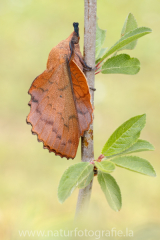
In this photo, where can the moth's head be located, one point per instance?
(76, 28)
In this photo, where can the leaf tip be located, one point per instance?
(144, 116)
(117, 209)
(154, 174)
(148, 30)
(60, 200)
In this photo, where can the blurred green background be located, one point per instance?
(29, 175)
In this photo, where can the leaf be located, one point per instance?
(101, 53)
(126, 39)
(100, 37)
(124, 136)
(121, 64)
(87, 180)
(129, 25)
(73, 177)
(111, 190)
(105, 166)
(139, 146)
(135, 164)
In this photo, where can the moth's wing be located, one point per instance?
(82, 97)
(53, 114)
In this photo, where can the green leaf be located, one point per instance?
(111, 190)
(129, 25)
(87, 180)
(135, 164)
(139, 146)
(72, 178)
(100, 37)
(121, 64)
(105, 166)
(124, 136)
(101, 53)
(126, 39)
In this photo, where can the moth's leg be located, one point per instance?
(85, 66)
(93, 89)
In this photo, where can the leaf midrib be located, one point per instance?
(109, 192)
(120, 67)
(122, 134)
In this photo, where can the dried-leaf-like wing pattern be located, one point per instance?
(60, 101)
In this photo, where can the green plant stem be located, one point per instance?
(87, 149)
